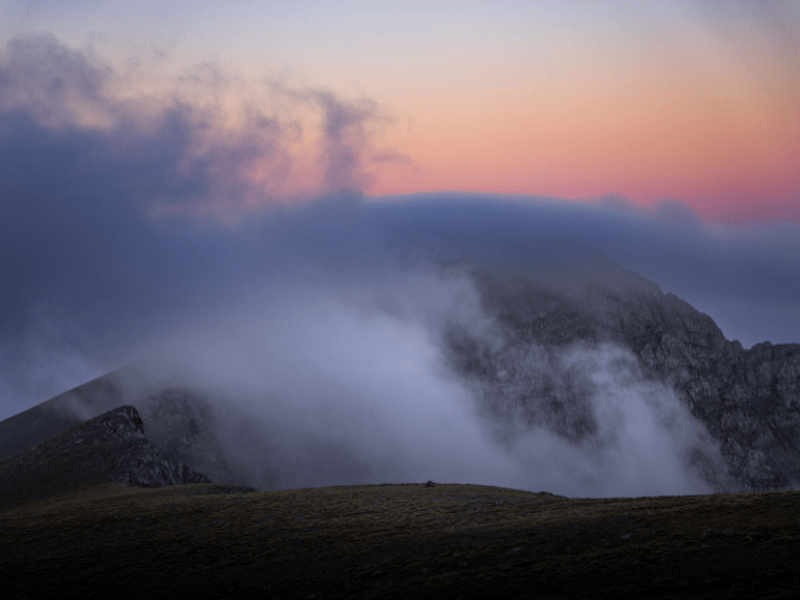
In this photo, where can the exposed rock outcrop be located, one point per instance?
(108, 448)
(181, 423)
(749, 400)
(60, 413)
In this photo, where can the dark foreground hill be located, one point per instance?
(398, 541)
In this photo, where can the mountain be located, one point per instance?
(749, 400)
(179, 421)
(110, 448)
(557, 347)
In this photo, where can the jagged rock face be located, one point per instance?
(109, 448)
(183, 425)
(128, 456)
(749, 400)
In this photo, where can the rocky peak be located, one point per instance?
(747, 399)
(111, 448)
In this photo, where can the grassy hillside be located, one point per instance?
(403, 541)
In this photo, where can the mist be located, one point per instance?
(316, 318)
(350, 384)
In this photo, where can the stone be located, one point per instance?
(748, 399)
(110, 448)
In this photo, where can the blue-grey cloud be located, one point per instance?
(210, 143)
(746, 277)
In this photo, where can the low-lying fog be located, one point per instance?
(355, 387)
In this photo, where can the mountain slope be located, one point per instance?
(111, 448)
(749, 400)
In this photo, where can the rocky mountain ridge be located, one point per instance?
(109, 448)
(748, 399)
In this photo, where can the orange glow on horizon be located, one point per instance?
(713, 144)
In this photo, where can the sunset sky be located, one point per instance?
(693, 100)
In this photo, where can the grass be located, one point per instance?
(398, 541)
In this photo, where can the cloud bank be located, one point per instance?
(238, 238)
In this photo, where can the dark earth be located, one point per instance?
(87, 535)
(398, 541)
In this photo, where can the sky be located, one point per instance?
(171, 167)
(694, 100)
